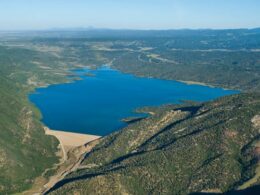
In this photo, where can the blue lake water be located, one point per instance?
(96, 104)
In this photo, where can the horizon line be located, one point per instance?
(120, 29)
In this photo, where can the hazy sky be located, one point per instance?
(131, 14)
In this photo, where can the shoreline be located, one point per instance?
(205, 85)
(200, 83)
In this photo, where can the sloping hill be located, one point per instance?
(25, 151)
(34, 60)
(179, 150)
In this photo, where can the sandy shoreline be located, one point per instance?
(69, 140)
(202, 84)
(196, 83)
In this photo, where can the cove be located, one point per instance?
(97, 104)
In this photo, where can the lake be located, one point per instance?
(97, 104)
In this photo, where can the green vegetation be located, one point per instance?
(207, 146)
(25, 152)
(225, 58)
(179, 150)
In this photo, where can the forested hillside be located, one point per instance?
(25, 152)
(210, 140)
(210, 147)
